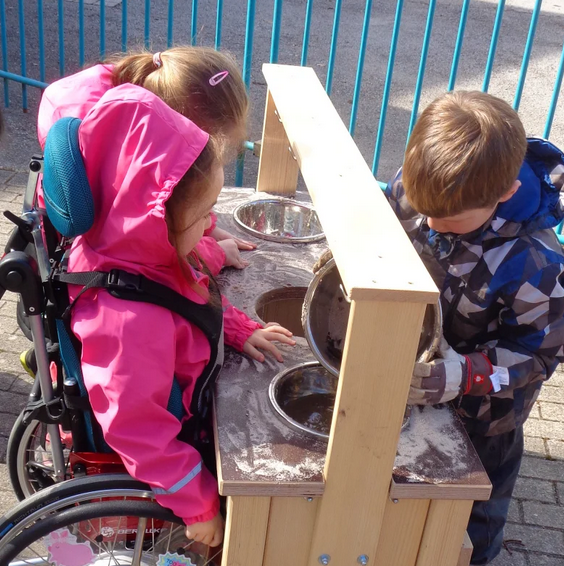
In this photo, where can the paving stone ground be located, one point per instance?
(535, 533)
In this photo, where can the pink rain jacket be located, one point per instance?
(135, 150)
(74, 96)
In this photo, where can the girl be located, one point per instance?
(200, 83)
(154, 176)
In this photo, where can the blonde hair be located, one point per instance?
(182, 81)
(464, 153)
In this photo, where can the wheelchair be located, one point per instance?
(78, 505)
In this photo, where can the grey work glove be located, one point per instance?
(448, 376)
(322, 260)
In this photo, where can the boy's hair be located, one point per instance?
(183, 82)
(465, 152)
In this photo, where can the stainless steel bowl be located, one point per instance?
(279, 220)
(325, 316)
(303, 397)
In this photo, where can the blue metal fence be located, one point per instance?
(173, 16)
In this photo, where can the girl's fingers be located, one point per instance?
(270, 347)
(250, 350)
(218, 537)
(244, 245)
(282, 338)
(276, 328)
(269, 324)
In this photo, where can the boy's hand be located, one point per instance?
(232, 256)
(263, 338)
(448, 376)
(210, 532)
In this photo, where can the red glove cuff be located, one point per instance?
(479, 369)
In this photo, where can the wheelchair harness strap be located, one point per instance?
(208, 318)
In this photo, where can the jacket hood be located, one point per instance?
(72, 96)
(135, 150)
(539, 202)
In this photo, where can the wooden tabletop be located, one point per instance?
(259, 455)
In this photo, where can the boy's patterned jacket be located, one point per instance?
(502, 287)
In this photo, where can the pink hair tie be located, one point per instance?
(217, 78)
(157, 61)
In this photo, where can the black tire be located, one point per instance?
(81, 507)
(25, 479)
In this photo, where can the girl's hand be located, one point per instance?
(263, 338)
(232, 256)
(210, 532)
(221, 235)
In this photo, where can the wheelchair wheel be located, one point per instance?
(29, 458)
(109, 519)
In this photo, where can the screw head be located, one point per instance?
(324, 559)
(309, 499)
(362, 559)
(31, 309)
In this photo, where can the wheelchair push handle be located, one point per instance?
(18, 273)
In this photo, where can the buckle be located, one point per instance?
(124, 280)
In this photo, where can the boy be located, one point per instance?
(479, 201)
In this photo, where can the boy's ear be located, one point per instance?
(514, 188)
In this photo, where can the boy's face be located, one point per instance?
(469, 220)
(462, 223)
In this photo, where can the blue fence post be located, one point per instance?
(147, 30)
(276, 22)
(387, 87)
(555, 95)
(527, 54)
(247, 66)
(493, 45)
(333, 50)
(194, 23)
(124, 25)
(218, 24)
(61, 38)
(81, 32)
(307, 27)
(360, 66)
(458, 46)
(22, 52)
(422, 64)
(4, 52)
(41, 40)
(102, 29)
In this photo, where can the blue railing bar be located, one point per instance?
(247, 66)
(147, 29)
(558, 228)
(194, 23)
(22, 52)
(554, 99)
(218, 24)
(527, 54)
(4, 52)
(458, 46)
(333, 51)
(383, 186)
(249, 145)
(387, 87)
(41, 40)
(102, 29)
(124, 25)
(23, 80)
(249, 37)
(170, 24)
(81, 32)
(276, 21)
(422, 64)
(61, 38)
(493, 45)
(307, 27)
(360, 65)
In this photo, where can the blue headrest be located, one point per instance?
(68, 199)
